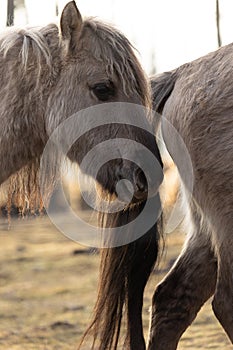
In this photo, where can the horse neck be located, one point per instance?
(23, 94)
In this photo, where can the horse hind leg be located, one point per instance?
(223, 298)
(184, 290)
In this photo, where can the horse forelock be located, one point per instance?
(112, 47)
(107, 44)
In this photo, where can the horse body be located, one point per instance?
(196, 99)
(47, 75)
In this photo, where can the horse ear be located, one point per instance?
(71, 24)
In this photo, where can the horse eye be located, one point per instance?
(103, 91)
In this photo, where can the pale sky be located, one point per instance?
(167, 33)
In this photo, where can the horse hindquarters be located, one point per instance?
(184, 290)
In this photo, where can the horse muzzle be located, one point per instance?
(135, 184)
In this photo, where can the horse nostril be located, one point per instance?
(140, 183)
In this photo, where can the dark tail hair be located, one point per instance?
(162, 86)
(124, 272)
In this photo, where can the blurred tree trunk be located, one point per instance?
(218, 24)
(10, 13)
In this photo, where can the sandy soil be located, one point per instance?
(48, 288)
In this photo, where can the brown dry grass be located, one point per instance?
(47, 292)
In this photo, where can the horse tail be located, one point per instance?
(162, 86)
(124, 272)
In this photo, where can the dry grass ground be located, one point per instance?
(47, 291)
